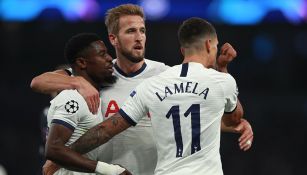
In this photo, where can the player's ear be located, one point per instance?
(113, 39)
(182, 50)
(81, 62)
(208, 45)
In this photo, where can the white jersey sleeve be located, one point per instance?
(134, 108)
(66, 109)
(231, 92)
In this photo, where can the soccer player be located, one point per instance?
(133, 148)
(68, 116)
(187, 103)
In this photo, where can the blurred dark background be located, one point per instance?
(270, 72)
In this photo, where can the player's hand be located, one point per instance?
(50, 168)
(126, 172)
(247, 135)
(227, 54)
(90, 94)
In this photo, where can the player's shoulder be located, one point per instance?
(160, 76)
(175, 71)
(225, 80)
(152, 62)
(219, 75)
(155, 64)
(70, 101)
(69, 94)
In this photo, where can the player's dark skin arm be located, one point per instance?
(45, 83)
(62, 155)
(227, 54)
(55, 82)
(69, 159)
(234, 118)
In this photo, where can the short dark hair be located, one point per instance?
(78, 45)
(194, 29)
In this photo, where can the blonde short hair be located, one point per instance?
(113, 15)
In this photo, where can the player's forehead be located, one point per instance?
(131, 21)
(98, 46)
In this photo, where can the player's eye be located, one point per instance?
(130, 30)
(143, 30)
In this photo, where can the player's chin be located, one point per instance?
(110, 70)
(138, 53)
(138, 58)
(106, 74)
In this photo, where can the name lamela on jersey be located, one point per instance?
(183, 87)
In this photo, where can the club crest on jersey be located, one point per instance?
(71, 106)
(132, 93)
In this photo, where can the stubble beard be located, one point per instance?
(129, 55)
(110, 79)
(107, 80)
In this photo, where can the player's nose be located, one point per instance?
(139, 36)
(109, 58)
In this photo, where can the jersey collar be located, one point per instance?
(133, 74)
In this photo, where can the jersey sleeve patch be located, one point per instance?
(132, 93)
(61, 122)
(127, 117)
(71, 107)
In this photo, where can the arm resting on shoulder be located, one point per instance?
(53, 82)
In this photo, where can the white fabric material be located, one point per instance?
(197, 102)
(108, 169)
(134, 148)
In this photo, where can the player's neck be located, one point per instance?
(127, 66)
(197, 59)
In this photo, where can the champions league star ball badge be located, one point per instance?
(71, 106)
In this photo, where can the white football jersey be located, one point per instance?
(113, 96)
(186, 103)
(134, 148)
(69, 108)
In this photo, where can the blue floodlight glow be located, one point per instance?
(236, 12)
(296, 11)
(155, 9)
(253, 11)
(20, 10)
(241, 12)
(291, 9)
(71, 9)
(26, 10)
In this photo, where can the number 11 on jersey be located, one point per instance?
(195, 123)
